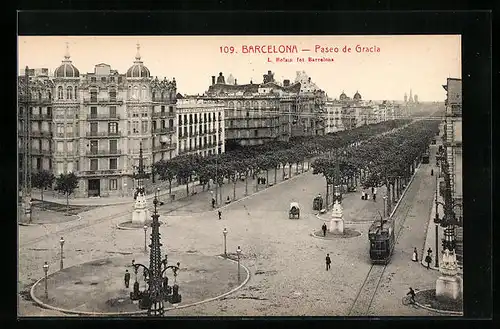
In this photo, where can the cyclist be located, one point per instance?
(412, 295)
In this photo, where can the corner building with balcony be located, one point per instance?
(97, 121)
(200, 127)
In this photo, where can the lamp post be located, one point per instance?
(145, 238)
(158, 289)
(158, 193)
(62, 244)
(385, 199)
(225, 234)
(238, 252)
(30, 209)
(46, 270)
(436, 222)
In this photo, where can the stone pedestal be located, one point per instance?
(449, 284)
(337, 220)
(141, 212)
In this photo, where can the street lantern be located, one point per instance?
(238, 252)
(61, 242)
(158, 289)
(46, 270)
(145, 235)
(225, 234)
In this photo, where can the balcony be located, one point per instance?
(104, 117)
(103, 153)
(107, 172)
(165, 130)
(103, 134)
(39, 117)
(163, 114)
(38, 152)
(41, 134)
(35, 100)
(102, 100)
(165, 147)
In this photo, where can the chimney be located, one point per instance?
(235, 82)
(269, 72)
(286, 83)
(213, 80)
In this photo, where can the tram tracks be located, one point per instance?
(366, 294)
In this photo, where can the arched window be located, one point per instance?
(39, 95)
(76, 92)
(136, 92)
(129, 91)
(69, 93)
(162, 95)
(144, 93)
(60, 92)
(153, 95)
(49, 94)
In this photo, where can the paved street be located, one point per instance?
(285, 261)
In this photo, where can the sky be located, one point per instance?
(399, 63)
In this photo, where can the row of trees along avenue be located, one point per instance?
(387, 159)
(249, 161)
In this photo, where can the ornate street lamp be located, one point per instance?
(46, 270)
(238, 252)
(225, 233)
(145, 235)
(140, 175)
(385, 200)
(158, 289)
(61, 242)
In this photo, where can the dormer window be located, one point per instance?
(93, 79)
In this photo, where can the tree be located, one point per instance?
(166, 171)
(42, 179)
(66, 184)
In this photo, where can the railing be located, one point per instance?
(103, 117)
(164, 130)
(163, 114)
(164, 147)
(36, 151)
(101, 100)
(103, 134)
(100, 172)
(41, 117)
(38, 133)
(104, 153)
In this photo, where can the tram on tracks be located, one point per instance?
(381, 236)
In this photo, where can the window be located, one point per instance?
(103, 79)
(93, 96)
(113, 146)
(94, 164)
(153, 95)
(135, 127)
(144, 126)
(60, 128)
(154, 125)
(39, 95)
(163, 109)
(76, 92)
(69, 93)
(163, 123)
(113, 164)
(113, 127)
(60, 168)
(50, 164)
(60, 92)
(112, 111)
(21, 111)
(171, 109)
(50, 95)
(171, 123)
(92, 79)
(93, 112)
(93, 127)
(190, 119)
(256, 133)
(111, 79)
(113, 183)
(49, 111)
(94, 147)
(38, 163)
(112, 95)
(119, 79)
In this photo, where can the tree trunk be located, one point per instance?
(393, 194)
(246, 184)
(234, 188)
(267, 177)
(302, 169)
(289, 170)
(327, 196)
(170, 187)
(41, 191)
(220, 193)
(67, 202)
(297, 168)
(187, 187)
(275, 172)
(283, 169)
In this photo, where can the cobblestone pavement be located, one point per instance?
(287, 267)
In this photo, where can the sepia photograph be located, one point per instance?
(242, 175)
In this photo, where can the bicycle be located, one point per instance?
(407, 301)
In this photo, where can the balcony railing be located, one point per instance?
(103, 134)
(41, 117)
(37, 133)
(102, 100)
(163, 114)
(158, 148)
(105, 172)
(103, 117)
(98, 153)
(36, 151)
(164, 130)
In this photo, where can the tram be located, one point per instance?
(381, 236)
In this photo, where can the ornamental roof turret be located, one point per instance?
(357, 96)
(138, 70)
(343, 96)
(66, 69)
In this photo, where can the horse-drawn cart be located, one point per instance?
(294, 210)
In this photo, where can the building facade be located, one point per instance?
(200, 128)
(94, 124)
(333, 116)
(453, 136)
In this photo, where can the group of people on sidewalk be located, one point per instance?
(428, 258)
(366, 196)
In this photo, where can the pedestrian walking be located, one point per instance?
(428, 260)
(429, 251)
(411, 293)
(213, 203)
(220, 215)
(432, 172)
(127, 278)
(328, 261)
(415, 255)
(324, 229)
(362, 195)
(373, 189)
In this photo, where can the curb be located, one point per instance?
(46, 306)
(313, 234)
(438, 311)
